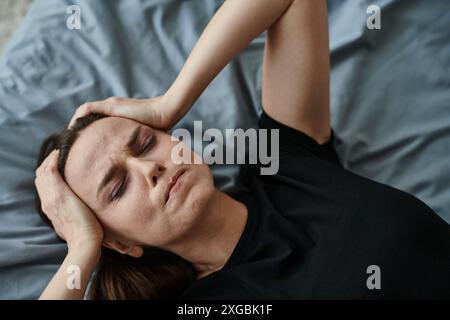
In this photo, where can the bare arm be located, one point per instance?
(233, 27)
(84, 257)
(75, 223)
(295, 74)
(296, 60)
(296, 70)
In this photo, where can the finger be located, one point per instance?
(53, 178)
(50, 185)
(51, 158)
(45, 199)
(81, 111)
(40, 191)
(103, 106)
(50, 163)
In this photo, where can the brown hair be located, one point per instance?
(158, 274)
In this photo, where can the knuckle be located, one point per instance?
(79, 109)
(114, 99)
(85, 108)
(51, 168)
(44, 209)
(108, 109)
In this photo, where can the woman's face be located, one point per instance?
(123, 171)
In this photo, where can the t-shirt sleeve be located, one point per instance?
(297, 143)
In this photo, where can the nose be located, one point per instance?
(151, 170)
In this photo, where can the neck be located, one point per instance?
(216, 235)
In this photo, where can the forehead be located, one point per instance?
(94, 149)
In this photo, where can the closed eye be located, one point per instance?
(149, 142)
(119, 189)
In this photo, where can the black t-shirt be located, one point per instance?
(315, 228)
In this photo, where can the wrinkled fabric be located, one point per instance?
(389, 98)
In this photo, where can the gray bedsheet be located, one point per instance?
(390, 99)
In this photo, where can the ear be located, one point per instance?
(132, 250)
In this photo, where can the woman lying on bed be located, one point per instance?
(154, 229)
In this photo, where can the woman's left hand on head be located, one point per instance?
(72, 219)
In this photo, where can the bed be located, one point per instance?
(390, 99)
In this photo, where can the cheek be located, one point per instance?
(202, 189)
(179, 150)
(164, 148)
(140, 202)
(128, 216)
(206, 174)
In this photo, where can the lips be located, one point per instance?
(172, 182)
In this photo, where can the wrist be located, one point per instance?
(177, 102)
(85, 247)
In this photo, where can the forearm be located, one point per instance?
(61, 287)
(233, 27)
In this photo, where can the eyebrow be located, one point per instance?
(112, 170)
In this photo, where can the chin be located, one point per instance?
(200, 194)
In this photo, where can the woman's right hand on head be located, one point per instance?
(72, 219)
(155, 112)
